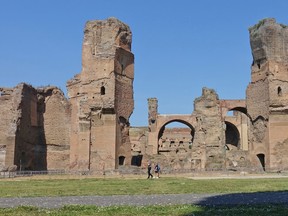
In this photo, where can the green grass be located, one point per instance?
(20, 187)
(181, 210)
(109, 186)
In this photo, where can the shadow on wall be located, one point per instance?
(30, 141)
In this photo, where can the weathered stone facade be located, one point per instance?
(91, 131)
(211, 141)
(267, 94)
(34, 132)
(101, 97)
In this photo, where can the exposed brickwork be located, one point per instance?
(40, 129)
(267, 94)
(102, 97)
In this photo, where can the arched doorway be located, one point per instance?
(261, 158)
(121, 160)
(175, 136)
(236, 133)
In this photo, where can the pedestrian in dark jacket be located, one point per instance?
(149, 171)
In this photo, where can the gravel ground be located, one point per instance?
(141, 200)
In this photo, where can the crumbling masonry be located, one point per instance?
(40, 129)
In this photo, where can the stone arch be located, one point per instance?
(240, 109)
(232, 135)
(234, 105)
(236, 132)
(183, 141)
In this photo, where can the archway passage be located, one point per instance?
(175, 136)
(236, 133)
(121, 160)
(232, 135)
(261, 158)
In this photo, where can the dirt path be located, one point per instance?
(141, 200)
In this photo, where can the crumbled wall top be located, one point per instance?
(207, 103)
(269, 41)
(104, 34)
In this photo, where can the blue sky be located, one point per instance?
(179, 46)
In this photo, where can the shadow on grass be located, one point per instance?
(257, 203)
(276, 197)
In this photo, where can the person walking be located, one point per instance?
(157, 170)
(149, 171)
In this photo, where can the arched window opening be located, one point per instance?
(279, 91)
(102, 90)
(121, 160)
(261, 158)
(232, 135)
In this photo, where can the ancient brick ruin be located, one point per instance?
(41, 129)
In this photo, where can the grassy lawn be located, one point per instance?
(111, 186)
(179, 210)
(21, 187)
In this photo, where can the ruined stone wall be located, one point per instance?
(258, 109)
(200, 146)
(30, 148)
(152, 146)
(175, 146)
(9, 118)
(43, 131)
(139, 140)
(278, 127)
(237, 151)
(258, 99)
(152, 113)
(238, 160)
(124, 101)
(101, 97)
(91, 130)
(54, 110)
(209, 141)
(267, 94)
(5, 120)
(30, 124)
